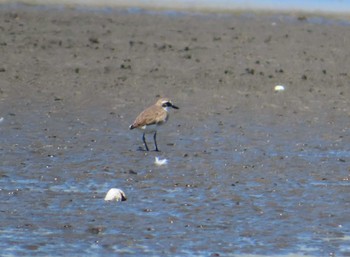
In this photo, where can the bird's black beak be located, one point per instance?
(174, 106)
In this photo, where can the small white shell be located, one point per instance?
(160, 162)
(1, 119)
(279, 88)
(115, 194)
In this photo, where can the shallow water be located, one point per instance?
(228, 193)
(326, 6)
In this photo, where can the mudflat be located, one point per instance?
(250, 170)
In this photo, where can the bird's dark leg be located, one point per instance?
(155, 141)
(144, 141)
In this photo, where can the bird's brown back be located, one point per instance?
(152, 115)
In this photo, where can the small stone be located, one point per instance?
(279, 88)
(115, 194)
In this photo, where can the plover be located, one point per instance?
(151, 118)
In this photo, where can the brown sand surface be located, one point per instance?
(72, 81)
(207, 63)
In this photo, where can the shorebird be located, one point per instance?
(151, 118)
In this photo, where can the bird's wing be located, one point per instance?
(150, 116)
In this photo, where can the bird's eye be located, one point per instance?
(167, 104)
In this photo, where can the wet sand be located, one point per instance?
(251, 170)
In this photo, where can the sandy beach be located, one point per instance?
(207, 62)
(71, 82)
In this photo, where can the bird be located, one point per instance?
(151, 118)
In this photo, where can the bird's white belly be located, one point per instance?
(149, 128)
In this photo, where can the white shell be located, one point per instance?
(115, 194)
(279, 88)
(160, 162)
